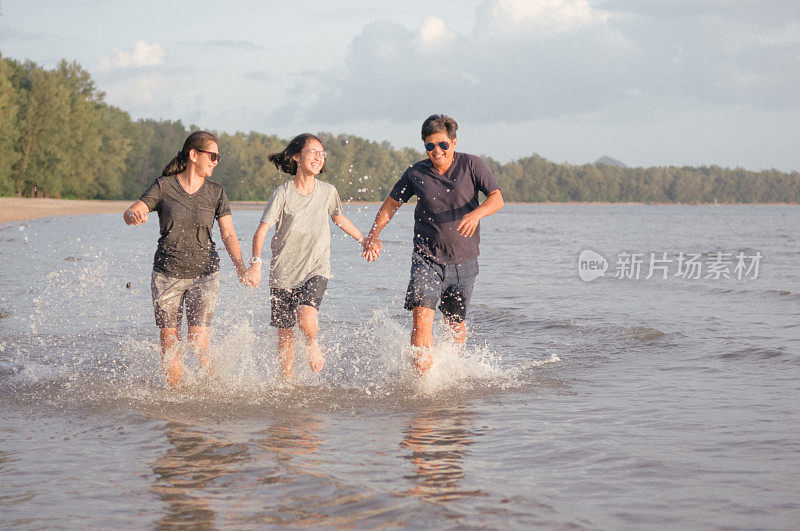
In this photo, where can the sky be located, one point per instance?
(647, 82)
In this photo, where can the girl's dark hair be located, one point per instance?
(197, 140)
(436, 123)
(284, 160)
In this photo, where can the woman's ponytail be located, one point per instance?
(176, 165)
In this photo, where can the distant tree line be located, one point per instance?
(59, 139)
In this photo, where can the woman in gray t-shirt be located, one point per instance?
(301, 247)
(186, 263)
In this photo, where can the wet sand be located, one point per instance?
(20, 209)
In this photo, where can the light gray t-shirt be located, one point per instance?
(301, 246)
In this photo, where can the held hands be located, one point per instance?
(252, 276)
(243, 280)
(372, 247)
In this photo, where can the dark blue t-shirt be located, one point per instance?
(442, 201)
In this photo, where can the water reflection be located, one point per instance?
(438, 441)
(191, 471)
(5, 459)
(207, 481)
(291, 435)
(293, 493)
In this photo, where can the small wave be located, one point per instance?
(500, 317)
(541, 363)
(743, 290)
(9, 369)
(778, 292)
(756, 353)
(782, 293)
(566, 324)
(646, 334)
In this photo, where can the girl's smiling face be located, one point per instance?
(311, 158)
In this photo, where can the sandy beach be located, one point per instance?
(20, 209)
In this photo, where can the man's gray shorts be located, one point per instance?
(170, 295)
(452, 283)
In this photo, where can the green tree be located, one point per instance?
(9, 127)
(153, 144)
(44, 105)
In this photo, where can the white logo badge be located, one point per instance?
(591, 265)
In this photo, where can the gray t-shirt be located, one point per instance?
(301, 246)
(185, 248)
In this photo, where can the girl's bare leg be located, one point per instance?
(286, 351)
(307, 318)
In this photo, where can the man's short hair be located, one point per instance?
(437, 123)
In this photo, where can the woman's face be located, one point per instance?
(311, 158)
(204, 165)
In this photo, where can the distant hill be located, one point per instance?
(608, 161)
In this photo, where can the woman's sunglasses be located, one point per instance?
(430, 146)
(213, 156)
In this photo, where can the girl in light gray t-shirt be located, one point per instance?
(301, 247)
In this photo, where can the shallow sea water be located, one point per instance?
(611, 403)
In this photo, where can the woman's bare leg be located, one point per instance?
(171, 355)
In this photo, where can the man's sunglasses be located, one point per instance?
(213, 156)
(430, 146)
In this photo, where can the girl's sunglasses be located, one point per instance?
(213, 156)
(430, 146)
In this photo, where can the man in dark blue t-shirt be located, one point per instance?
(444, 264)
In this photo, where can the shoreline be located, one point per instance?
(22, 209)
(15, 209)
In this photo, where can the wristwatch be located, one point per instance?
(255, 260)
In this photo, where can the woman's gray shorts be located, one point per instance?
(170, 295)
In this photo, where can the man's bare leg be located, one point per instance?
(458, 331)
(422, 337)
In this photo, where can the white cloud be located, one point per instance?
(493, 74)
(143, 54)
(541, 59)
(434, 33)
(542, 15)
(138, 92)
